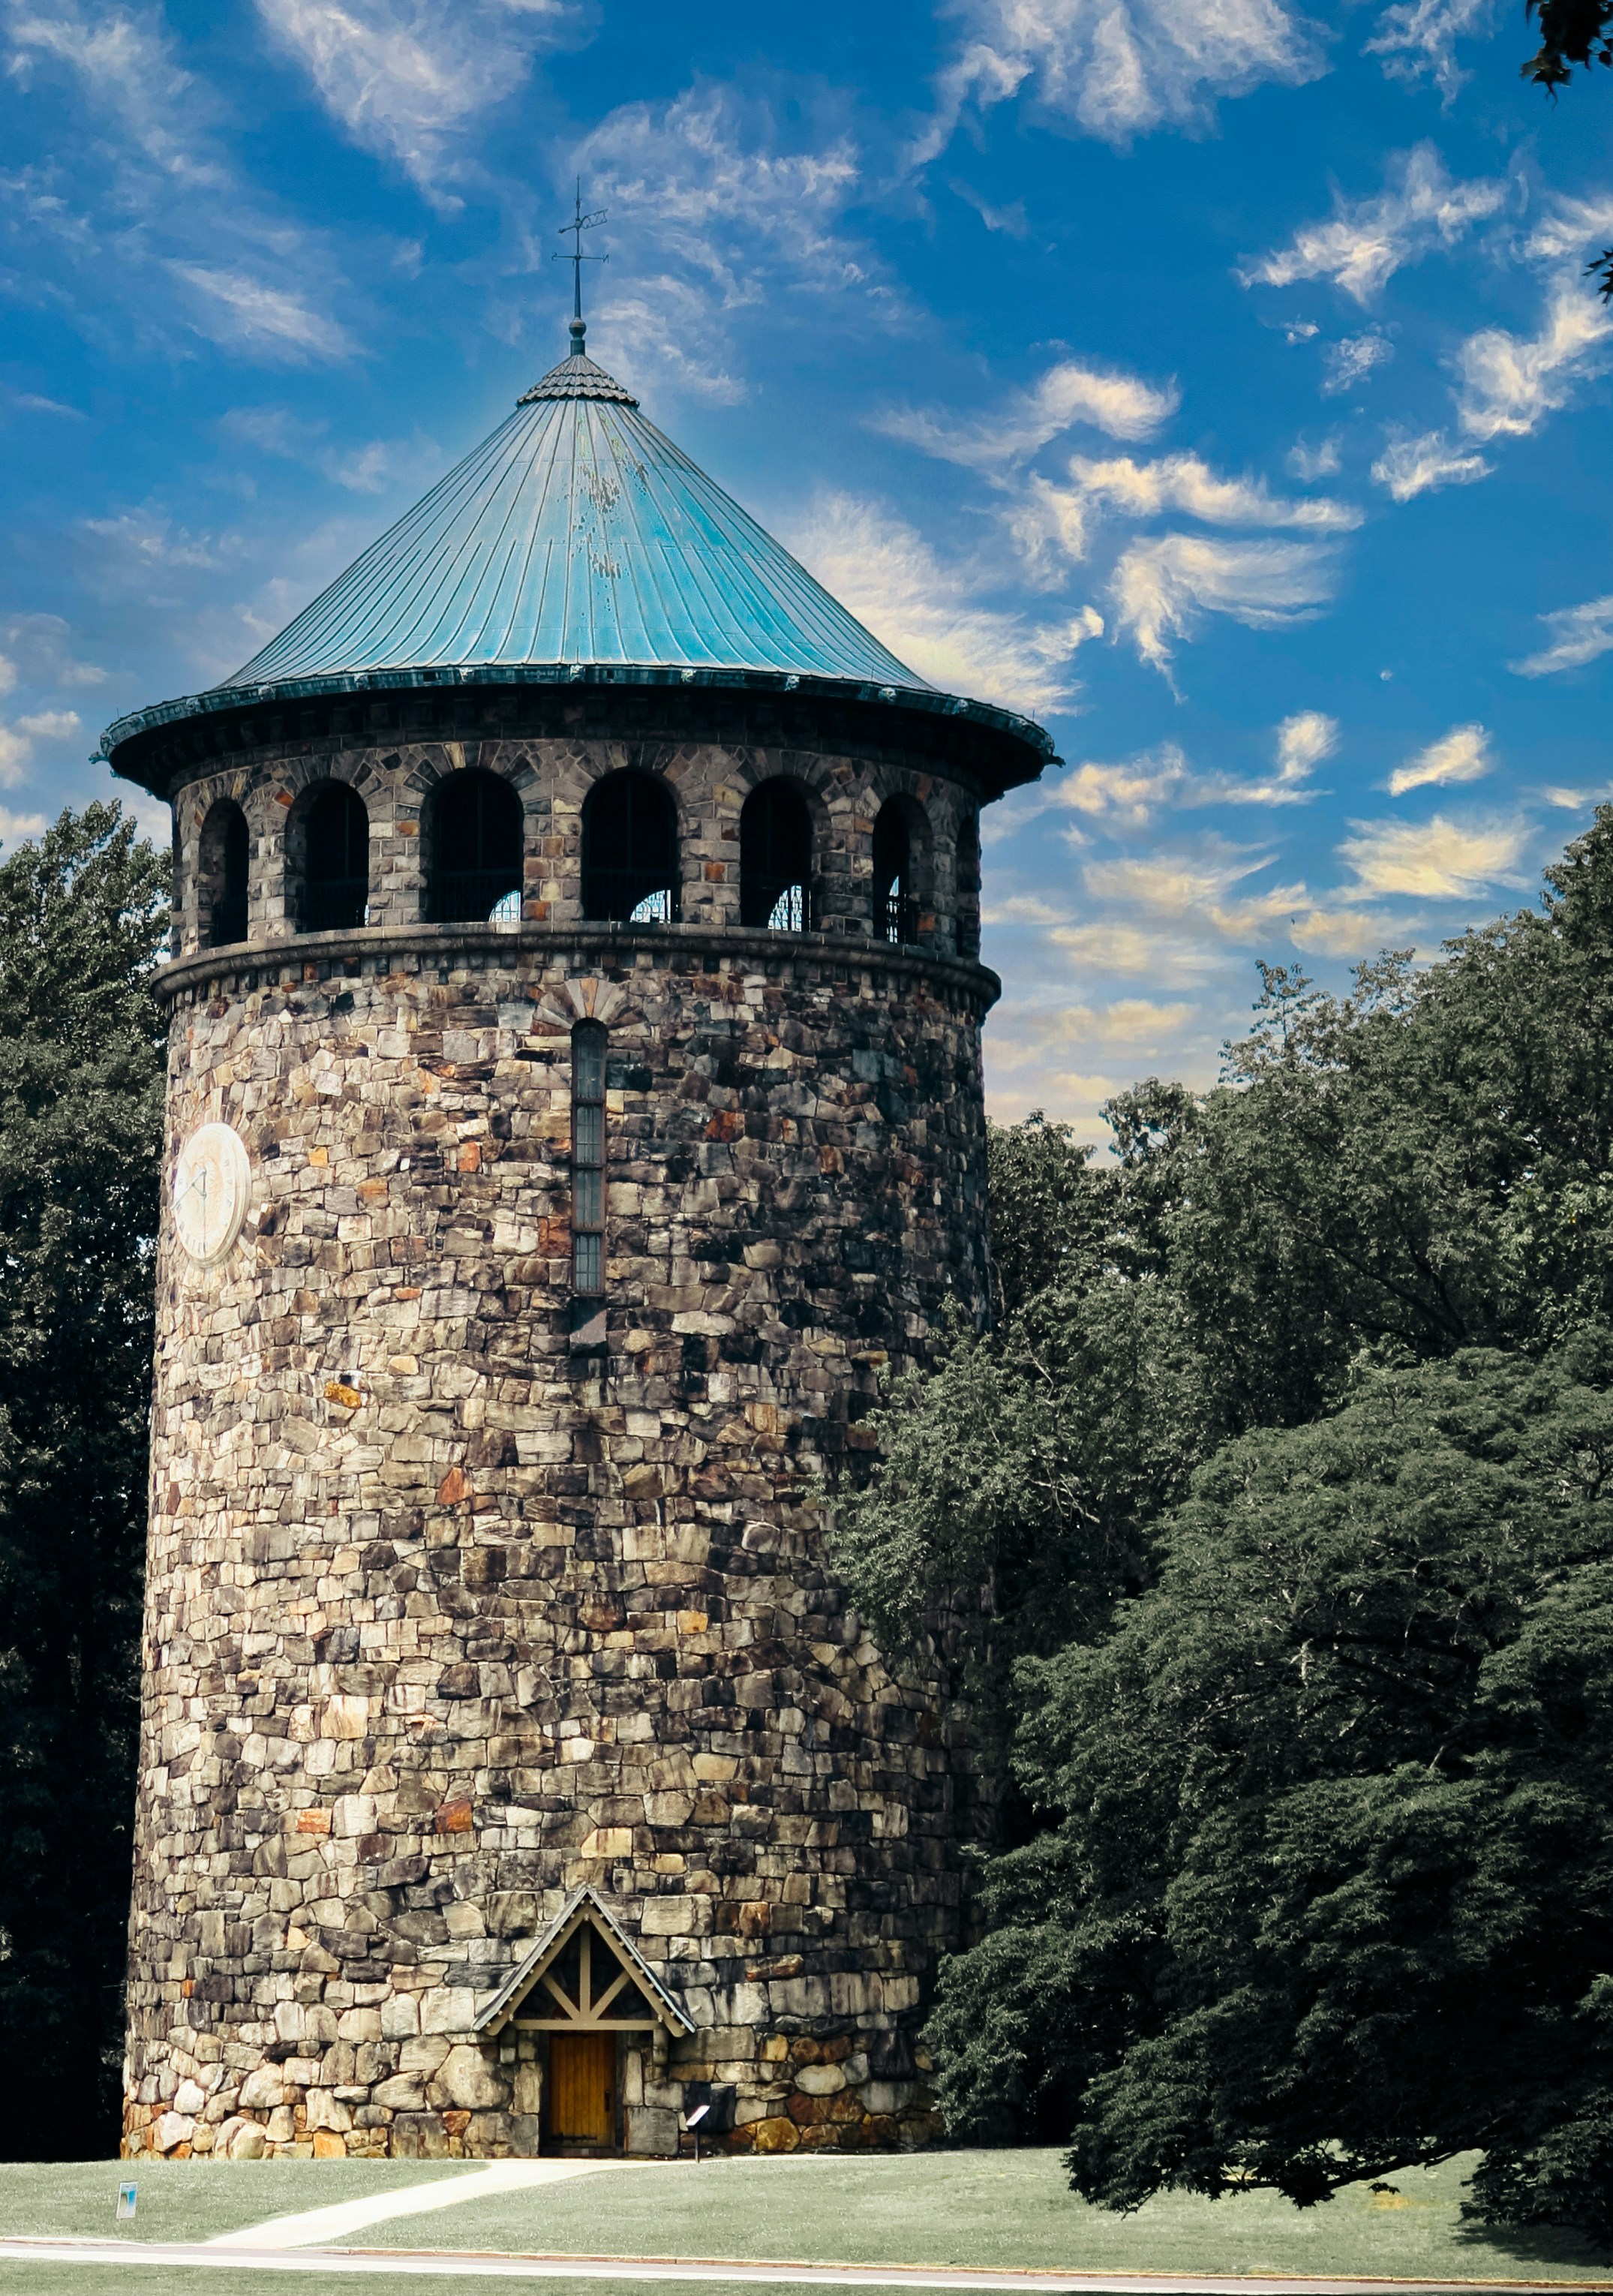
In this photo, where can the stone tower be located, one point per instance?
(574, 1110)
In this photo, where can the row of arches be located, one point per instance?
(475, 850)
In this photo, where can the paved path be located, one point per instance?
(314, 2227)
(410, 2263)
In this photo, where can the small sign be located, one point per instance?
(126, 2203)
(690, 2121)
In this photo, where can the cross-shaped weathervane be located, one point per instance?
(574, 231)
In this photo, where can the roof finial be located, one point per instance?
(574, 231)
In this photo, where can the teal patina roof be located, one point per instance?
(578, 532)
(576, 543)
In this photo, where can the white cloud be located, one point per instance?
(1461, 755)
(15, 826)
(234, 307)
(1160, 588)
(1346, 931)
(1070, 393)
(38, 648)
(406, 78)
(1115, 67)
(1438, 859)
(1579, 634)
(928, 612)
(1351, 360)
(1412, 466)
(1368, 240)
(1321, 461)
(142, 190)
(370, 469)
(1418, 39)
(1510, 383)
(1182, 482)
(723, 218)
(18, 740)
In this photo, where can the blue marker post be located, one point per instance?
(126, 2203)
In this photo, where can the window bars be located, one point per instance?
(587, 1158)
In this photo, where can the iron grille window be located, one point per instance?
(336, 882)
(630, 850)
(589, 1158)
(775, 860)
(896, 913)
(225, 870)
(476, 874)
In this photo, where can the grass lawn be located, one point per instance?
(190, 2199)
(993, 2208)
(966, 2207)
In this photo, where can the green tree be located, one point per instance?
(1324, 1889)
(83, 916)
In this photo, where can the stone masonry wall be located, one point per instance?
(445, 1618)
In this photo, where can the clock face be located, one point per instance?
(211, 1181)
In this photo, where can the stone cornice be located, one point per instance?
(377, 946)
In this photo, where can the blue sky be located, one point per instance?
(1219, 384)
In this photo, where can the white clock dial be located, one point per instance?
(212, 1178)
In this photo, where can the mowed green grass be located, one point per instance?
(189, 2199)
(979, 2208)
(992, 2208)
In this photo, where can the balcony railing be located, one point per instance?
(228, 922)
(635, 897)
(897, 918)
(779, 905)
(335, 904)
(476, 896)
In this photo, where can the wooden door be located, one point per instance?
(582, 2088)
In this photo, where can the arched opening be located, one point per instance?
(775, 860)
(224, 870)
(895, 912)
(476, 850)
(336, 869)
(630, 850)
(969, 886)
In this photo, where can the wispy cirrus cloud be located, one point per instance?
(1129, 793)
(1461, 755)
(1409, 467)
(1114, 69)
(1438, 859)
(407, 79)
(1161, 589)
(370, 469)
(1579, 634)
(1023, 421)
(1186, 484)
(1352, 360)
(1510, 383)
(1365, 241)
(929, 613)
(140, 194)
(728, 214)
(1417, 39)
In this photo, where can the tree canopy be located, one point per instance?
(83, 916)
(1276, 1511)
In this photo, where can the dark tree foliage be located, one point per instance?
(1315, 1861)
(1573, 33)
(83, 913)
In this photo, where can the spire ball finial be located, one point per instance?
(574, 231)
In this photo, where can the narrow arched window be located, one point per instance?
(224, 867)
(587, 1158)
(475, 826)
(896, 913)
(969, 886)
(775, 860)
(630, 850)
(336, 875)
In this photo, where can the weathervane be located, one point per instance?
(574, 231)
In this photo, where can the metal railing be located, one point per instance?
(229, 921)
(897, 918)
(778, 905)
(335, 904)
(471, 895)
(638, 897)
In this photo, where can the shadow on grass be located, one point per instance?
(1536, 2245)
